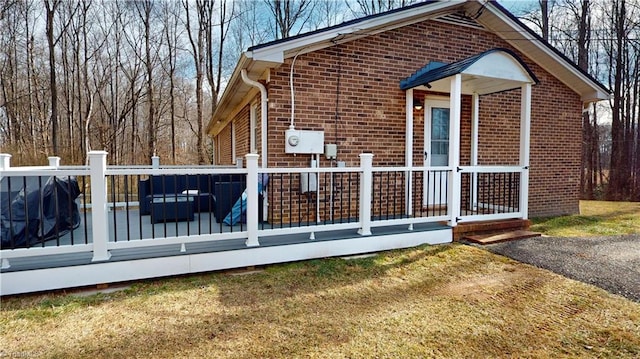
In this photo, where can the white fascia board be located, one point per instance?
(280, 51)
(526, 36)
(214, 127)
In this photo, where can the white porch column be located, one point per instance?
(366, 184)
(475, 128)
(408, 154)
(99, 220)
(525, 139)
(252, 200)
(454, 149)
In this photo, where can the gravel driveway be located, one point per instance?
(611, 263)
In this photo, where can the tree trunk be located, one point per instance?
(51, 7)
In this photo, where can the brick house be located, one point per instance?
(398, 129)
(458, 84)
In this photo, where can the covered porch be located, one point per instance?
(485, 183)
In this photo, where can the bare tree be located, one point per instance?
(289, 14)
(170, 14)
(203, 12)
(371, 7)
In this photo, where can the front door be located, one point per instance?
(436, 135)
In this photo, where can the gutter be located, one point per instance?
(263, 114)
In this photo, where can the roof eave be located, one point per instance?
(262, 57)
(544, 54)
(230, 99)
(277, 51)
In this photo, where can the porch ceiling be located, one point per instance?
(492, 71)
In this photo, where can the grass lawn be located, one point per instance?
(447, 301)
(596, 218)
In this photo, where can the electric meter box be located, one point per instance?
(302, 141)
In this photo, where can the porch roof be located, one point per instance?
(492, 71)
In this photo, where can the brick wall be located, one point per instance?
(365, 113)
(242, 140)
(224, 147)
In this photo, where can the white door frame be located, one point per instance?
(433, 187)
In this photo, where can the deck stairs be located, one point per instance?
(493, 231)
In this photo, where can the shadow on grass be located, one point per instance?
(317, 269)
(317, 306)
(286, 308)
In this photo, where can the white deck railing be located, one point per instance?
(383, 196)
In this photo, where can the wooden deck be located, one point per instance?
(129, 226)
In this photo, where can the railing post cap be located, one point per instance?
(5, 155)
(98, 153)
(252, 156)
(366, 155)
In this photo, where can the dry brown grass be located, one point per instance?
(449, 301)
(596, 218)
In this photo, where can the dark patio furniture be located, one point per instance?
(171, 209)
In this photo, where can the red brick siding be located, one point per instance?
(223, 145)
(371, 109)
(241, 125)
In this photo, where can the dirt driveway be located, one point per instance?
(611, 263)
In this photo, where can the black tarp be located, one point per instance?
(43, 209)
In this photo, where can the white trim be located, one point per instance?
(252, 200)
(263, 115)
(525, 140)
(490, 217)
(307, 229)
(113, 272)
(253, 131)
(490, 169)
(366, 164)
(427, 186)
(408, 144)
(45, 251)
(413, 220)
(454, 147)
(99, 222)
(475, 130)
(276, 53)
(164, 241)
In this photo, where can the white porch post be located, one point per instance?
(408, 154)
(525, 139)
(475, 128)
(155, 162)
(99, 220)
(454, 149)
(366, 164)
(252, 200)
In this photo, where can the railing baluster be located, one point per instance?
(126, 205)
(113, 208)
(84, 208)
(56, 211)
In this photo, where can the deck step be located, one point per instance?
(501, 237)
(468, 229)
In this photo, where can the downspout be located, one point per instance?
(263, 114)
